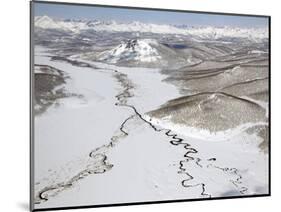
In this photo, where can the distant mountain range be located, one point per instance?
(202, 33)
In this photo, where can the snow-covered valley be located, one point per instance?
(89, 149)
(140, 112)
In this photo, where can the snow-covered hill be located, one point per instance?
(209, 32)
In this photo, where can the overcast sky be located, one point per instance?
(146, 16)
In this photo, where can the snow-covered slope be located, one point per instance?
(76, 26)
(139, 50)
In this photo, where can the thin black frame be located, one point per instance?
(31, 51)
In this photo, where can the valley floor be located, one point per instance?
(101, 146)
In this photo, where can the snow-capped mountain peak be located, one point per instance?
(142, 50)
(45, 22)
(74, 26)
